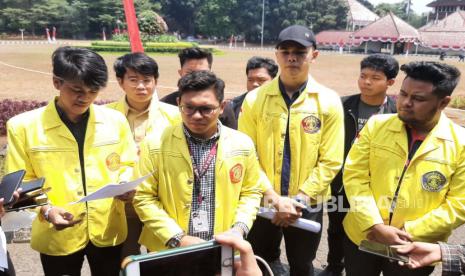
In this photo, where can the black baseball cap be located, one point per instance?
(297, 33)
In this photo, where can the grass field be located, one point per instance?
(338, 72)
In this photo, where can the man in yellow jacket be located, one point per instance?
(405, 174)
(204, 177)
(298, 129)
(78, 148)
(137, 75)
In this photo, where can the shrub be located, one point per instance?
(120, 37)
(11, 108)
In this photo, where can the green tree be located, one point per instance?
(150, 23)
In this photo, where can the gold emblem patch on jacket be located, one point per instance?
(113, 161)
(235, 174)
(433, 181)
(311, 124)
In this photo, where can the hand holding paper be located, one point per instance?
(112, 190)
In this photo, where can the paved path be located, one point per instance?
(27, 261)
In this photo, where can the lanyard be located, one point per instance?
(413, 147)
(199, 173)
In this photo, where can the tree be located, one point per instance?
(150, 23)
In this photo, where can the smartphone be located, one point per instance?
(382, 250)
(10, 183)
(31, 186)
(205, 259)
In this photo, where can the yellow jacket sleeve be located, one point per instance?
(248, 124)
(356, 179)
(251, 193)
(331, 154)
(449, 215)
(17, 158)
(146, 202)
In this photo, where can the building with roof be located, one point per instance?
(358, 15)
(447, 34)
(443, 8)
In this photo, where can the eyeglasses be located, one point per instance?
(135, 82)
(204, 110)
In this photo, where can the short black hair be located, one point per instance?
(195, 53)
(444, 77)
(382, 63)
(80, 65)
(262, 62)
(199, 81)
(138, 62)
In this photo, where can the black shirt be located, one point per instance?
(78, 130)
(286, 168)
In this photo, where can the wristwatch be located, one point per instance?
(175, 241)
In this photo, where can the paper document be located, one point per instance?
(301, 223)
(112, 190)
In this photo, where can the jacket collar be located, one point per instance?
(272, 88)
(441, 130)
(52, 120)
(351, 103)
(178, 133)
(122, 105)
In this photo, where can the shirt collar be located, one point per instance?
(296, 93)
(196, 140)
(66, 120)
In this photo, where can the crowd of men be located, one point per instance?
(397, 179)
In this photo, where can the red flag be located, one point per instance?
(133, 28)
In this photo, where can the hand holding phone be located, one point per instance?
(206, 259)
(420, 253)
(190, 240)
(387, 234)
(248, 265)
(382, 250)
(8, 186)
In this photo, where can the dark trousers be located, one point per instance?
(301, 245)
(103, 261)
(131, 245)
(359, 263)
(11, 269)
(336, 232)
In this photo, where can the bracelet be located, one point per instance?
(47, 212)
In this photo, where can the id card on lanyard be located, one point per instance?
(199, 218)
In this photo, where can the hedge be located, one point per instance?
(11, 108)
(146, 44)
(173, 50)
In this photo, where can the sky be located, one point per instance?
(419, 6)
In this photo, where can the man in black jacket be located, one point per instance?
(259, 70)
(377, 74)
(197, 59)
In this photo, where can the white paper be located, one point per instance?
(112, 190)
(304, 224)
(3, 258)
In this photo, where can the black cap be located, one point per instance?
(297, 33)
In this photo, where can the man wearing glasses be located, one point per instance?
(204, 177)
(297, 126)
(137, 75)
